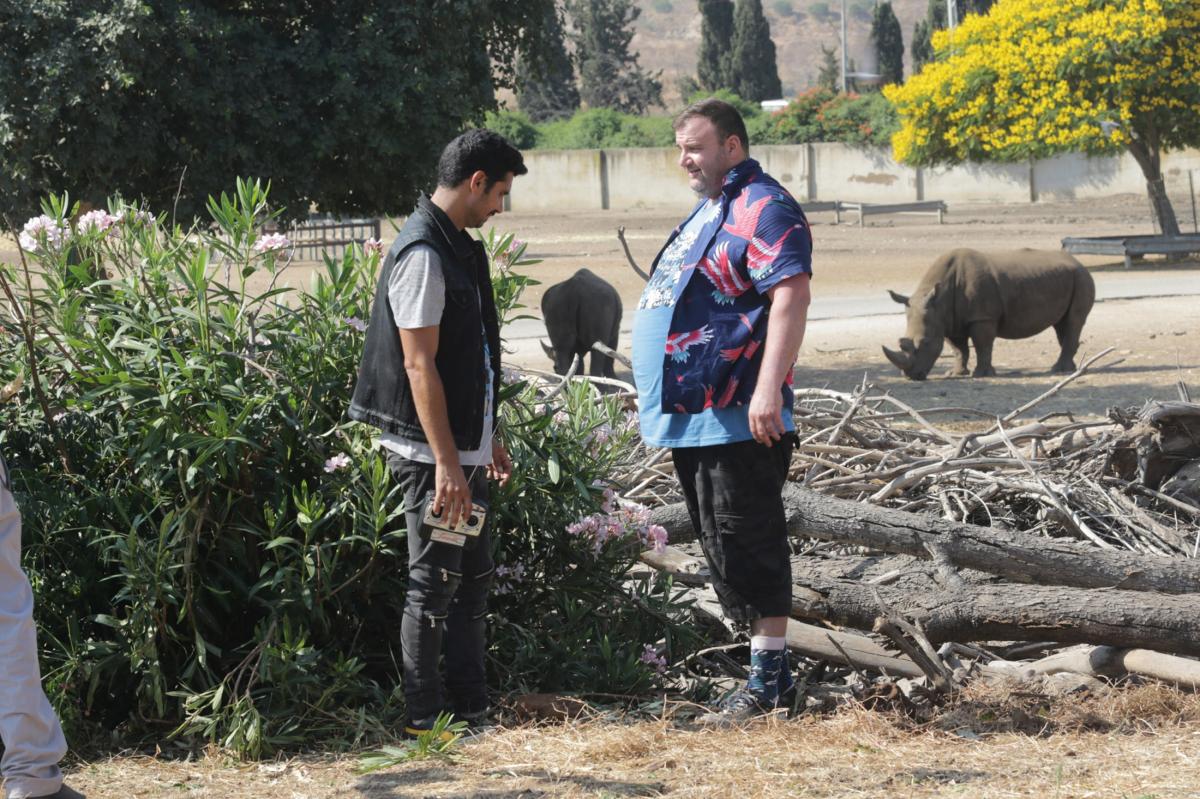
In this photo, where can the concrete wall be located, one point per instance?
(646, 178)
(560, 179)
(966, 183)
(859, 175)
(623, 179)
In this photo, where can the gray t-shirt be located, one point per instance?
(417, 295)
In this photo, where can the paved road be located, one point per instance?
(1109, 286)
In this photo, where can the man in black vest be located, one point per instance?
(429, 379)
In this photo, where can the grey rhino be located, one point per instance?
(578, 312)
(967, 294)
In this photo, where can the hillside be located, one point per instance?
(668, 35)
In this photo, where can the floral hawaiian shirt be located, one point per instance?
(758, 238)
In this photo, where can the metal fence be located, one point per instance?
(321, 235)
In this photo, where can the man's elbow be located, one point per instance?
(418, 367)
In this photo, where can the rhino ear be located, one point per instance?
(900, 298)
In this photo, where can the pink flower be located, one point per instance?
(599, 436)
(134, 216)
(97, 220)
(610, 501)
(271, 242)
(337, 463)
(508, 578)
(42, 231)
(356, 323)
(373, 245)
(651, 657)
(656, 536)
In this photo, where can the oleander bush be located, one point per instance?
(217, 552)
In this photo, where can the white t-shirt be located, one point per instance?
(417, 295)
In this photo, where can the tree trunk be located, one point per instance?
(1013, 555)
(1149, 159)
(1006, 612)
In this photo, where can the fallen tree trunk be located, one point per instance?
(1001, 611)
(1012, 555)
(848, 648)
(1107, 661)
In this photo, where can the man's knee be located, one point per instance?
(472, 593)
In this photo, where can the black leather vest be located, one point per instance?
(382, 396)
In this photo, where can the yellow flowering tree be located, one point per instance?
(1034, 78)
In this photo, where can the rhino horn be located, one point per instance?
(900, 360)
(900, 298)
(546, 348)
(907, 346)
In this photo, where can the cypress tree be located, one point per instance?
(830, 75)
(754, 73)
(545, 81)
(716, 44)
(889, 43)
(609, 75)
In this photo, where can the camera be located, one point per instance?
(472, 525)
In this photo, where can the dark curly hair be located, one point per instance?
(478, 150)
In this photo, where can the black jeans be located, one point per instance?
(734, 495)
(445, 608)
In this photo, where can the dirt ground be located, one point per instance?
(1137, 742)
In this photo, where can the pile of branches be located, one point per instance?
(932, 553)
(1126, 482)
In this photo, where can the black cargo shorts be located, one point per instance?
(734, 497)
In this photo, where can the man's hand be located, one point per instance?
(500, 469)
(452, 493)
(785, 331)
(766, 419)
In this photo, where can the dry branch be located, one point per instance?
(1014, 555)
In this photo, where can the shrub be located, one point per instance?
(819, 115)
(218, 554)
(603, 127)
(514, 126)
(747, 108)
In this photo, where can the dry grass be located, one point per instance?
(1135, 742)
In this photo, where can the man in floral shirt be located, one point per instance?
(717, 330)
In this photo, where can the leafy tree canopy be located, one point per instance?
(889, 43)
(343, 105)
(716, 43)
(753, 71)
(546, 80)
(1032, 79)
(609, 75)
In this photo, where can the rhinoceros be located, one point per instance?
(578, 312)
(970, 295)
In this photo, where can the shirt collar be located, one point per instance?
(740, 175)
(458, 239)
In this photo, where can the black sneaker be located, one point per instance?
(413, 728)
(740, 707)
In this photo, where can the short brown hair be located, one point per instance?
(725, 119)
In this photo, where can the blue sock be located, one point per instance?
(770, 675)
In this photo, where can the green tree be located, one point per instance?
(921, 49)
(889, 43)
(609, 74)
(546, 77)
(716, 44)
(754, 73)
(829, 77)
(343, 105)
(1030, 80)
